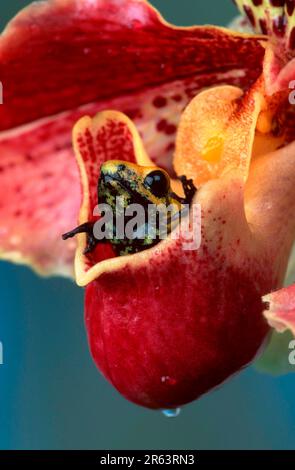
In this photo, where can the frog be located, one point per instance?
(135, 184)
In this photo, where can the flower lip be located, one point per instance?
(207, 301)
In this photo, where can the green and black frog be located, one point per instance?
(134, 184)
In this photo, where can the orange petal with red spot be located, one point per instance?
(216, 133)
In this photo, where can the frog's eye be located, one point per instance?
(158, 183)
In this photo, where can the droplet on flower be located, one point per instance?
(172, 413)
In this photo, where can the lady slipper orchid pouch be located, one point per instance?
(155, 165)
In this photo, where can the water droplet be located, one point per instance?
(172, 413)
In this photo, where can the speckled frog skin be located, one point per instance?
(134, 184)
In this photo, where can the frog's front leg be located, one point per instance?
(188, 188)
(84, 228)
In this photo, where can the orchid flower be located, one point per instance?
(164, 325)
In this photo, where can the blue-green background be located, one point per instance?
(51, 395)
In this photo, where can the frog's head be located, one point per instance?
(136, 184)
(122, 184)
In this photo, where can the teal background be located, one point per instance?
(51, 395)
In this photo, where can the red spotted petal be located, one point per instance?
(77, 57)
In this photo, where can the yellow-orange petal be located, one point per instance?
(216, 132)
